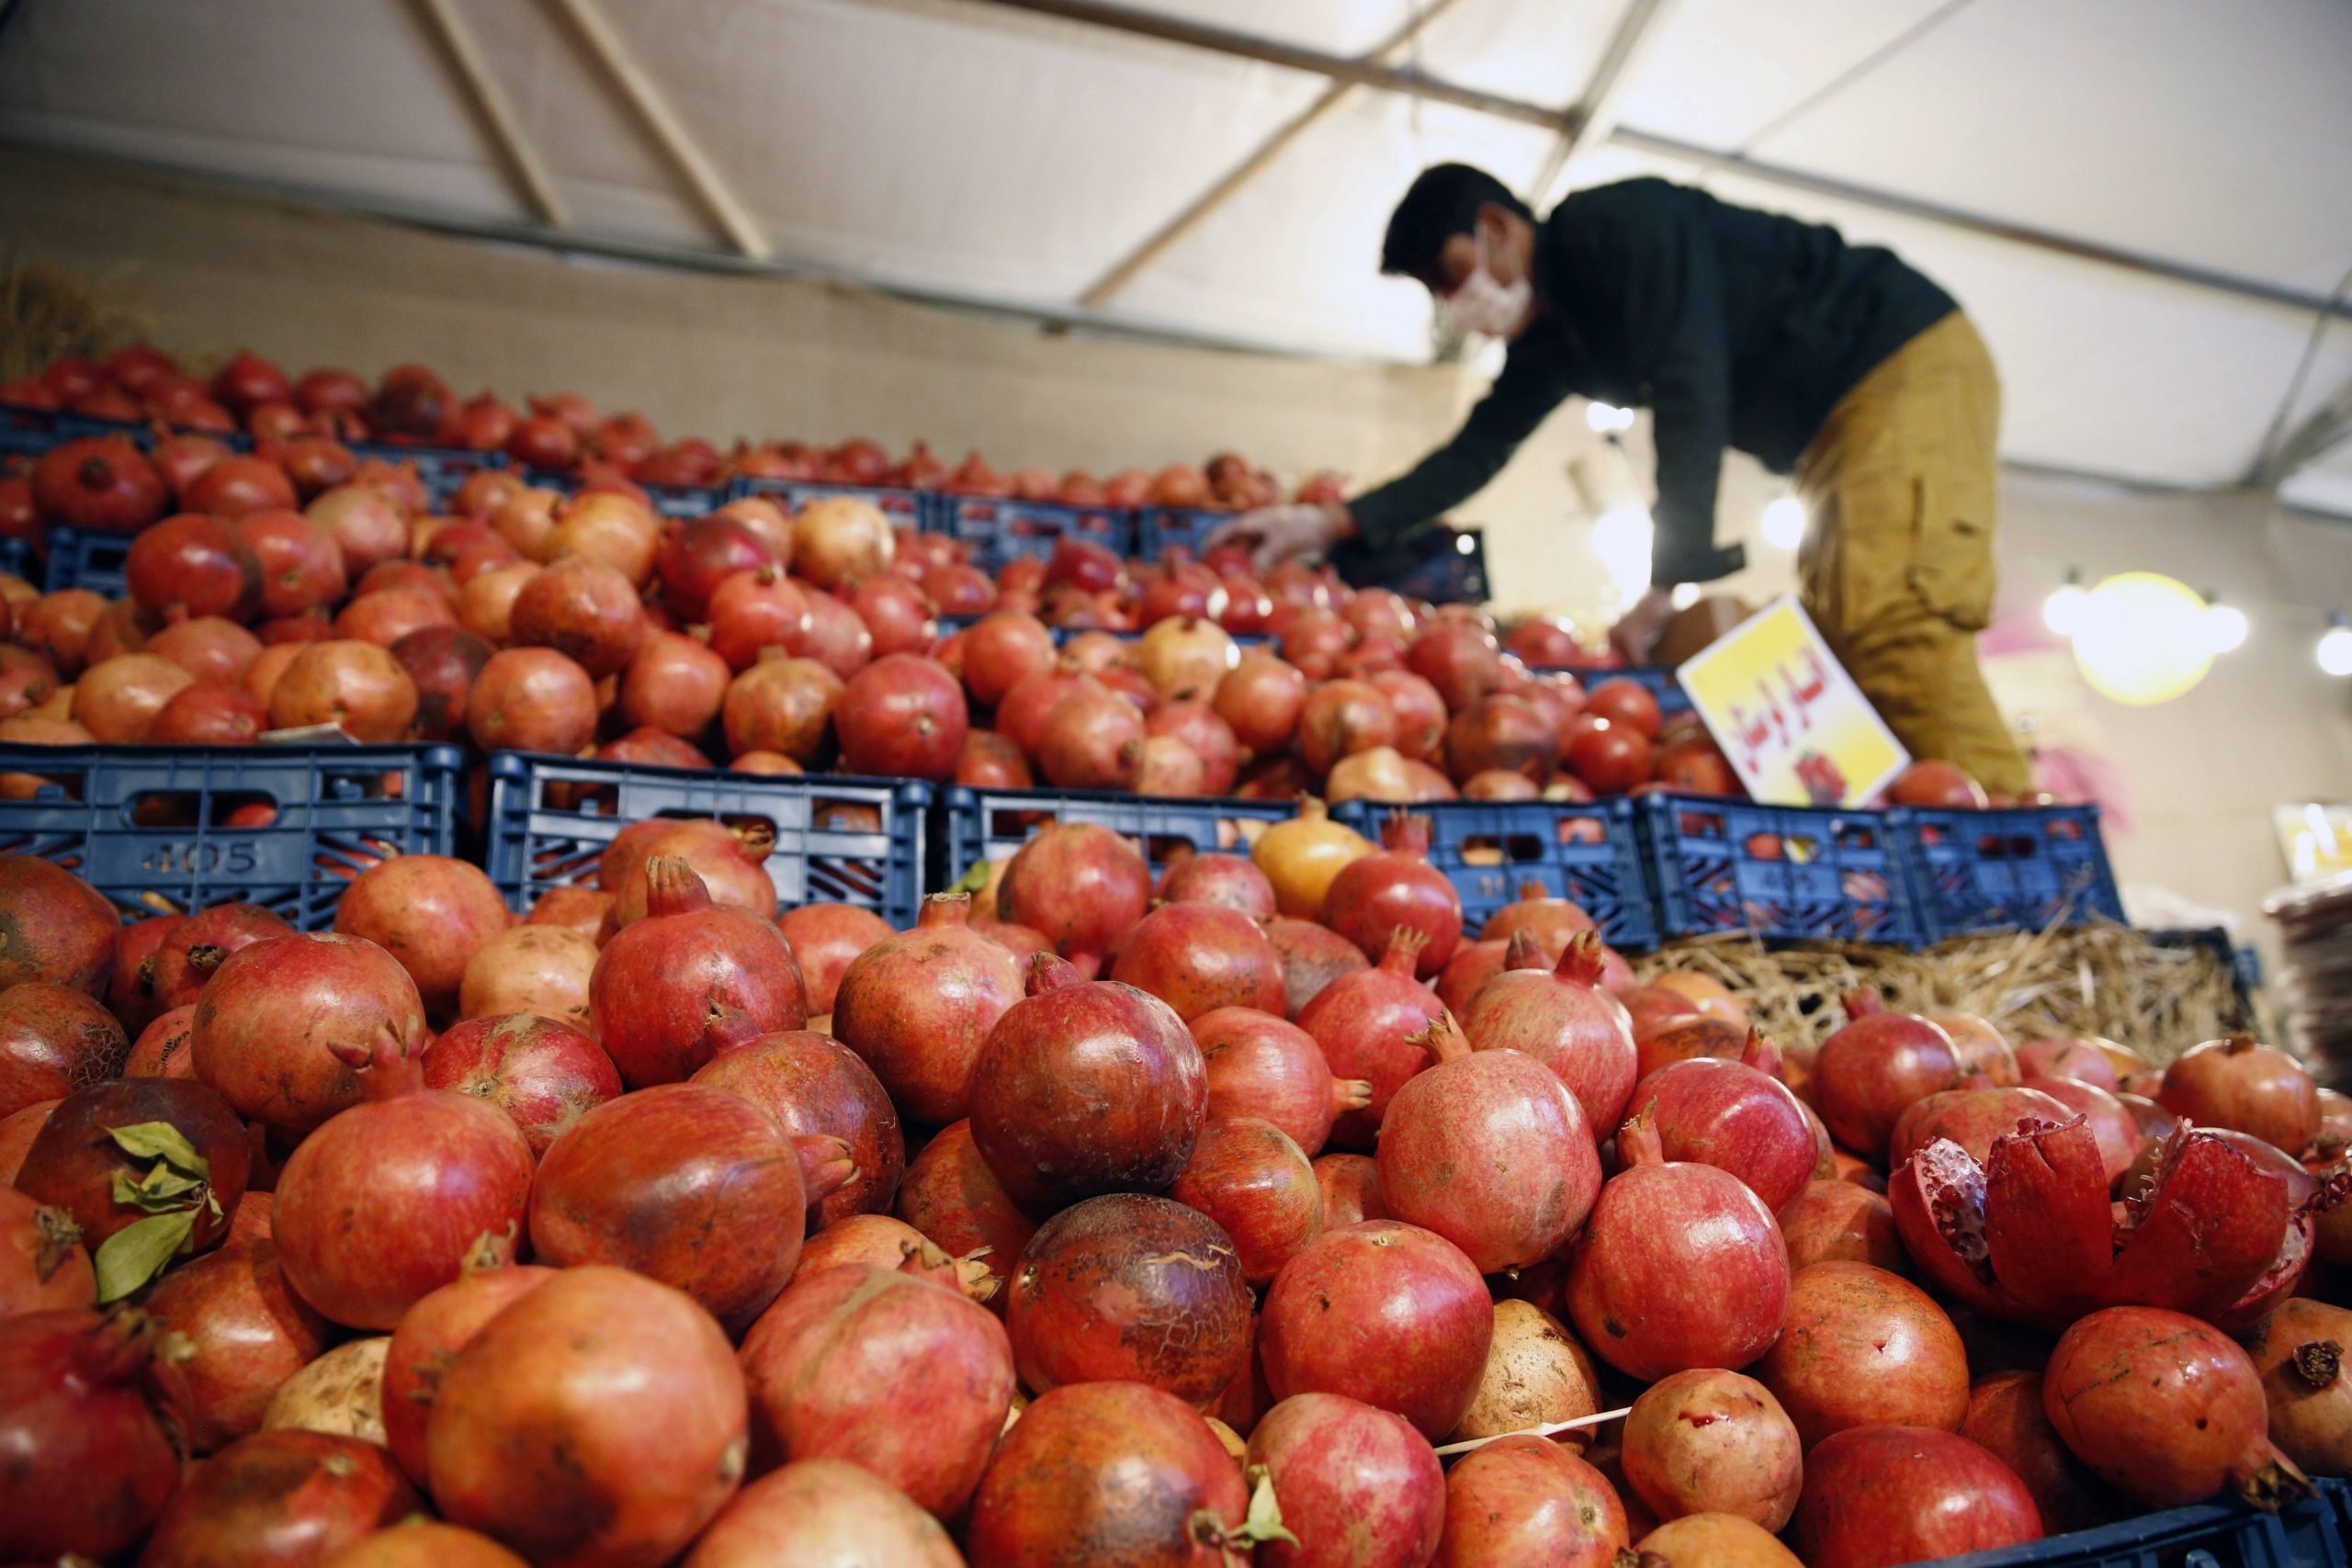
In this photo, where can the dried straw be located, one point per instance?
(47, 315)
(2158, 999)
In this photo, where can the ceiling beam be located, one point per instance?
(2321, 431)
(1415, 84)
(1595, 114)
(1980, 223)
(710, 189)
(1156, 244)
(523, 167)
(1270, 51)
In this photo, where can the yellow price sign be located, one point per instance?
(1797, 729)
(2315, 838)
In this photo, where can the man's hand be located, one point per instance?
(1637, 630)
(1279, 532)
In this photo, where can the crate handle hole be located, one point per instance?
(839, 816)
(200, 808)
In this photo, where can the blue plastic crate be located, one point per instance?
(2009, 869)
(1160, 529)
(838, 840)
(998, 531)
(950, 625)
(2311, 1534)
(1719, 864)
(443, 468)
(670, 501)
(148, 825)
(80, 560)
(17, 559)
(1493, 848)
(904, 508)
(988, 824)
(77, 426)
(26, 432)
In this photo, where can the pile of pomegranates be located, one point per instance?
(1102, 1218)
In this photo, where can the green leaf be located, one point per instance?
(164, 1182)
(140, 1251)
(161, 1140)
(974, 880)
(161, 1191)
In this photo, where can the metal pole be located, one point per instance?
(498, 115)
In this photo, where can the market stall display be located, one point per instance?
(644, 1160)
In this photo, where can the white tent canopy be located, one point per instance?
(2147, 204)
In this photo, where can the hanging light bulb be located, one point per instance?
(1607, 420)
(1784, 524)
(2140, 642)
(2063, 611)
(2225, 626)
(1685, 594)
(2335, 649)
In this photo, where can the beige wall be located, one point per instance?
(727, 355)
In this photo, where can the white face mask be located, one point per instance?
(1482, 305)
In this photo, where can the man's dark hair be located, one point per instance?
(1443, 202)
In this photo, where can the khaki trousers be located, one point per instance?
(1899, 485)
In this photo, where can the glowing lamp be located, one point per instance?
(2142, 638)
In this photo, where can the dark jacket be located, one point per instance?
(1736, 328)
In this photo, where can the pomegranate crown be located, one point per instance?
(1405, 834)
(945, 909)
(386, 1068)
(1761, 1054)
(673, 886)
(1443, 1038)
(1049, 971)
(1638, 1141)
(1862, 1001)
(1524, 951)
(1403, 954)
(1580, 961)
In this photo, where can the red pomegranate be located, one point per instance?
(815, 1087)
(532, 699)
(242, 1332)
(669, 990)
(1877, 1065)
(1864, 1347)
(84, 1410)
(1226, 879)
(1712, 1442)
(784, 706)
(2165, 1407)
(1082, 886)
(1083, 1089)
(54, 928)
(917, 1008)
(903, 715)
(356, 686)
(826, 939)
(193, 565)
(1355, 1485)
(1880, 1495)
(1262, 698)
(674, 685)
(601, 1418)
(1413, 1318)
(1134, 1288)
(731, 859)
(1259, 1065)
(1200, 957)
(422, 1171)
(431, 912)
(1521, 1499)
(692, 1185)
(1459, 658)
(1395, 887)
(1679, 1266)
(1736, 1116)
(1092, 738)
(1972, 1118)
(951, 1196)
(1377, 1024)
(271, 1025)
(754, 610)
(1351, 1188)
(1934, 784)
(1003, 649)
(1490, 1151)
(2006, 1419)
(1564, 1019)
(1133, 1472)
(281, 1496)
(2244, 1085)
(1312, 957)
(100, 483)
(825, 1507)
(2111, 1123)
(545, 1075)
(1249, 1177)
(906, 1377)
(430, 1335)
(1840, 1222)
